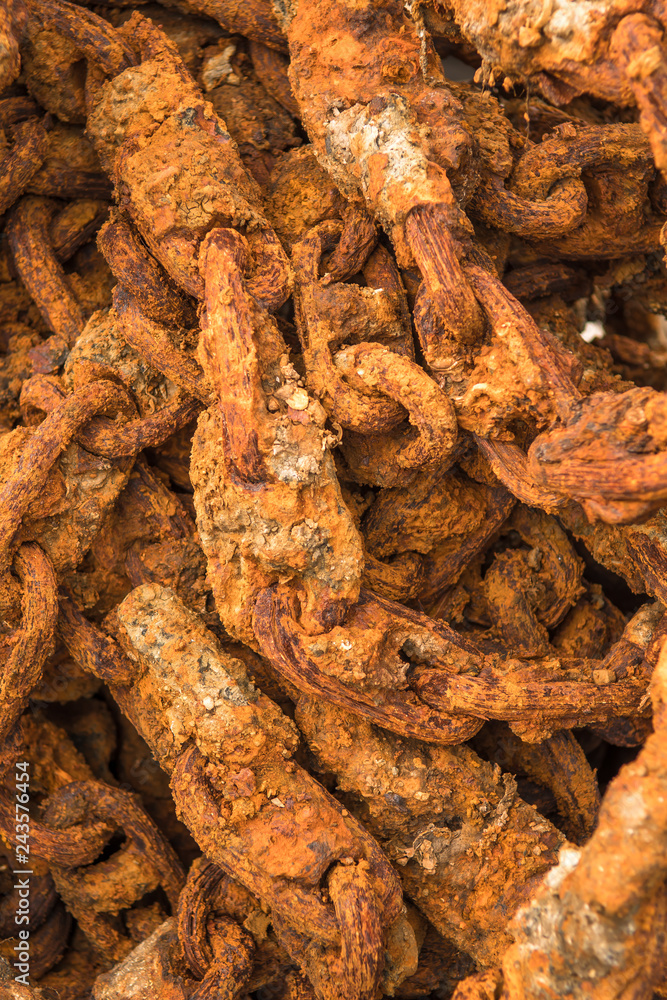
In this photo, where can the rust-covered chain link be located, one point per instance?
(28, 646)
(621, 911)
(274, 797)
(144, 862)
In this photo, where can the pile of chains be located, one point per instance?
(333, 479)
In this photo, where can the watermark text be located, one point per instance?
(22, 873)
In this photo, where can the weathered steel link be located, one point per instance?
(353, 409)
(35, 460)
(28, 648)
(41, 271)
(19, 167)
(92, 35)
(212, 912)
(357, 666)
(265, 777)
(269, 457)
(145, 861)
(140, 275)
